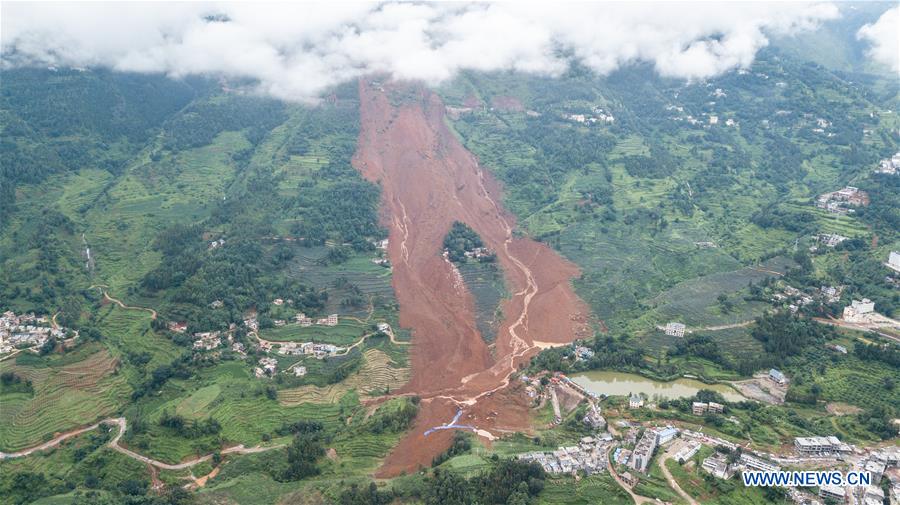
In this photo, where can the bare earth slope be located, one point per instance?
(429, 180)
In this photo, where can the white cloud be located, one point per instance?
(882, 36)
(295, 51)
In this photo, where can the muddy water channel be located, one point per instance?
(623, 384)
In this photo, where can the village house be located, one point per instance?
(699, 408)
(207, 341)
(238, 348)
(279, 322)
(278, 301)
(331, 320)
(716, 408)
(177, 326)
(582, 352)
(292, 348)
(718, 466)
(267, 368)
(593, 418)
(830, 239)
(384, 327)
(675, 329)
(299, 370)
(635, 401)
(859, 311)
(217, 304)
(778, 377)
(837, 348)
(831, 294)
(302, 320)
(251, 323)
(889, 166)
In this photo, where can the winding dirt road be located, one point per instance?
(122, 424)
(428, 181)
(118, 302)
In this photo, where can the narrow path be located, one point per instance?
(122, 423)
(119, 302)
(672, 482)
(741, 324)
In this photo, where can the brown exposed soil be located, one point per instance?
(429, 180)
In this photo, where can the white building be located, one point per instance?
(675, 329)
(859, 311)
(894, 261)
(299, 371)
(754, 463)
(635, 401)
(819, 445)
(687, 452)
(666, 434)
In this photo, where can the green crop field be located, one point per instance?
(64, 397)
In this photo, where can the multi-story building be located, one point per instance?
(859, 310)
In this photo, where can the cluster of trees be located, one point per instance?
(13, 382)
(609, 352)
(200, 122)
(888, 353)
(462, 239)
(784, 335)
(179, 368)
(345, 209)
(462, 443)
(702, 346)
(509, 482)
(300, 457)
(189, 428)
(395, 420)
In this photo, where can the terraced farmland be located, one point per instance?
(693, 302)
(64, 398)
(376, 375)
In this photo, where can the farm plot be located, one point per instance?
(377, 374)
(694, 302)
(64, 398)
(485, 282)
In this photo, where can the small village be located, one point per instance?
(843, 201)
(267, 367)
(627, 450)
(28, 331)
